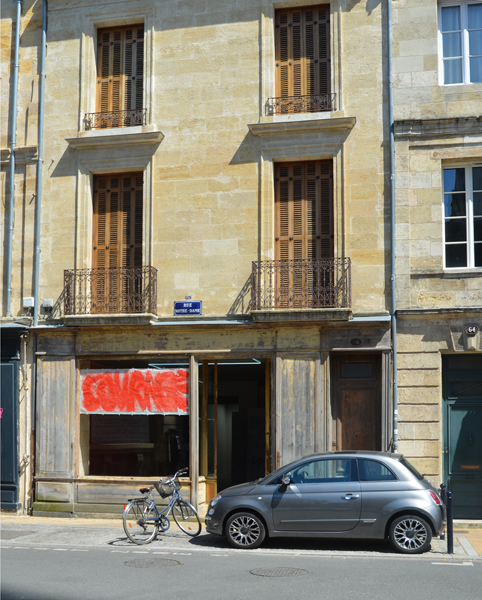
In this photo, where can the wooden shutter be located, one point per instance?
(304, 210)
(302, 38)
(120, 68)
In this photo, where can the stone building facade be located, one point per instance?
(233, 155)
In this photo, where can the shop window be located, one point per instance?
(462, 189)
(460, 35)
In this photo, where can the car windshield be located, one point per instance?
(410, 467)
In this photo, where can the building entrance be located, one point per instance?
(234, 428)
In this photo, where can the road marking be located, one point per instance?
(139, 552)
(161, 553)
(41, 548)
(21, 547)
(75, 550)
(183, 553)
(60, 549)
(455, 564)
(121, 551)
(219, 554)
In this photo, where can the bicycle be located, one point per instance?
(142, 519)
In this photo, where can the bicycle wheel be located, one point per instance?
(186, 518)
(140, 522)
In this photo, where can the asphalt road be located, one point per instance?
(34, 572)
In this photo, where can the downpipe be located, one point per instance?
(38, 194)
(393, 282)
(13, 143)
(26, 455)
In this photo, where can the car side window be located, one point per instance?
(322, 471)
(372, 470)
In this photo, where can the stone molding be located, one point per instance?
(122, 320)
(142, 136)
(23, 155)
(315, 126)
(438, 128)
(301, 315)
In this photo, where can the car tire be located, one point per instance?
(410, 534)
(245, 530)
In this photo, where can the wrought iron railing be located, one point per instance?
(285, 284)
(124, 290)
(300, 104)
(115, 118)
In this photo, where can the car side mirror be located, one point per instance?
(286, 481)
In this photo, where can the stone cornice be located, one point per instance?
(23, 155)
(267, 129)
(438, 128)
(88, 140)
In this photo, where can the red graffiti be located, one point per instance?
(135, 391)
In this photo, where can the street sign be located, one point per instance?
(191, 307)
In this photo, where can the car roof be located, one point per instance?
(372, 453)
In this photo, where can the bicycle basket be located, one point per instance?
(164, 489)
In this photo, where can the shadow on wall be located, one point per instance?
(243, 303)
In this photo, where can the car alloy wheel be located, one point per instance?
(410, 534)
(245, 530)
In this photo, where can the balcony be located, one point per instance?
(117, 291)
(300, 104)
(116, 118)
(301, 289)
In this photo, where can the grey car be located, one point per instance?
(371, 495)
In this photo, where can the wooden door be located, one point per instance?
(117, 240)
(303, 230)
(356, 403)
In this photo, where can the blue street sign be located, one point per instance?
(191, 307)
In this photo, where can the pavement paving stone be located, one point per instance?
(108, 533)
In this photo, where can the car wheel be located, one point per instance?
(245, 530)
(410, 534)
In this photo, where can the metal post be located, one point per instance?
(450, 524)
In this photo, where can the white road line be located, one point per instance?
(219, 554)
(21, 547)
(41, 548)
(60, 549)
(75, 550)
(139, 552)
(455, 564)
(121, 551)
(183, 553)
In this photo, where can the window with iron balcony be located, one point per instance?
(120, 79)
(302, 61)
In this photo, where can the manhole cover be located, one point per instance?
(11, 535)
(280, 572)
(153, 563)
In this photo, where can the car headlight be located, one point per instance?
(210, 511)
(214, 501)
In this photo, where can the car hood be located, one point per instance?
(239, 490)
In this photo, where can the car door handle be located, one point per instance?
(351, 496)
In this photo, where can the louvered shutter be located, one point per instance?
(117, 240)
(120, 70)
(303, 230)
(302, 39)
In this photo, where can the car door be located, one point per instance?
(380, 488)
(324, 496)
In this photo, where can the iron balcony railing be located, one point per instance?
(300, 104)
(115, 118)
(124, 290)
(286, 284)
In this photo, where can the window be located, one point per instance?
(460, 27)
(372, 470)
(303, 77)
(323, 471)
(117, 243)
(462, 187)
(120, 77)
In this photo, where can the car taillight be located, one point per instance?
(125, 506)
(434, 497)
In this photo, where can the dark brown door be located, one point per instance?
(356, 406)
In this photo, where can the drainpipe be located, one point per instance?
(26, 455)
(12, 158)
(38, 194)
(393, 301)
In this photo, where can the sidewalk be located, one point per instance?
(109, 533)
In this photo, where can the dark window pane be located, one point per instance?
(478, 255)
(454, 180)
(477, 177)
(478, 229)
(475, 16)
(452, 45)
(454, 205)
(478, 203)
(451, 18)
(455, 230)
(452, 71)
(456, 256)
(354, 370)
(476, 69)
(475, 43)
(372, 470)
